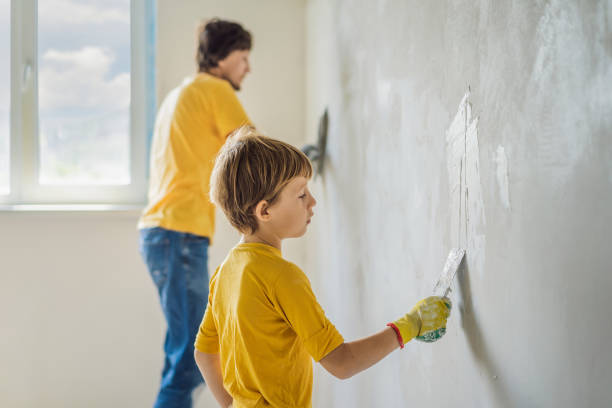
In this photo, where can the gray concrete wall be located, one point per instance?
(485, 125)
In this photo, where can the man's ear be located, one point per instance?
(262, 211)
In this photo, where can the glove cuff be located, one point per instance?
(398, 334)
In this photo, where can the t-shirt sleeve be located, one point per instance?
(298, 304)
(207, 338)
(229, 113)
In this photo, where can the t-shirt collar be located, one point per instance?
(260, 246)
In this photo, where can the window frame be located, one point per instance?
(24, 153)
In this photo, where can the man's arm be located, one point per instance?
(210, 367)
(351, 358)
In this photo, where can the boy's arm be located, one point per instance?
(351, 358)
(210, 367)
(348, 359)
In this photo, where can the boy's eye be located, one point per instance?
(303, 196)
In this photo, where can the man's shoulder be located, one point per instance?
(199, 85)
(199, 89)
(203, 81)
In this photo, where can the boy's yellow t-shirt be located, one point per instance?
(265, 321)
(192, 124)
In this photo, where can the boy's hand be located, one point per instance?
(426, 321)
(434, 325)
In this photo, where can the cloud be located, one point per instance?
(5, 54)
(69, 79)
(55, 12)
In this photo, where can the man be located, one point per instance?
(178, 223)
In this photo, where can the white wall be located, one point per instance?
(81, 323)
(528, 194)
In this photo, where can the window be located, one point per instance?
(80, 92)
(5, 94)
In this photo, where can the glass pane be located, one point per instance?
(84, 91)
(5, 93)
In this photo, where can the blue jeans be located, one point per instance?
(178, 264)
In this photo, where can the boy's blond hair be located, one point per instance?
(249, 168)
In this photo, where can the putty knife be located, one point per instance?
(443, 286)
(443, 289)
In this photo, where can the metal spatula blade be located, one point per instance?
(443, 286)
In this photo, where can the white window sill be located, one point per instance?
(119, 209)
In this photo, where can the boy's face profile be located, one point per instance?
(290, 215)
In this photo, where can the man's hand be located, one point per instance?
(426, 321)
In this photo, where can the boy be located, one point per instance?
(263, 323)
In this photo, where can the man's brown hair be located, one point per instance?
(217, 39)
(249, 168)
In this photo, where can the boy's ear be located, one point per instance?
(261, 211)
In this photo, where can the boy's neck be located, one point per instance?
(260, 237)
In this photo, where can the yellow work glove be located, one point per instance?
(426, 321)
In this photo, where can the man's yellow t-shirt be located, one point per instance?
(191, 126)
(264, 320)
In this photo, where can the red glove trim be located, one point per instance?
(397, 332)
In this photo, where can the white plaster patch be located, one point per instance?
(502, 176)
(466, 202)
(455, 152)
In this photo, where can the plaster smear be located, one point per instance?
(502, 176)
(466, 203)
